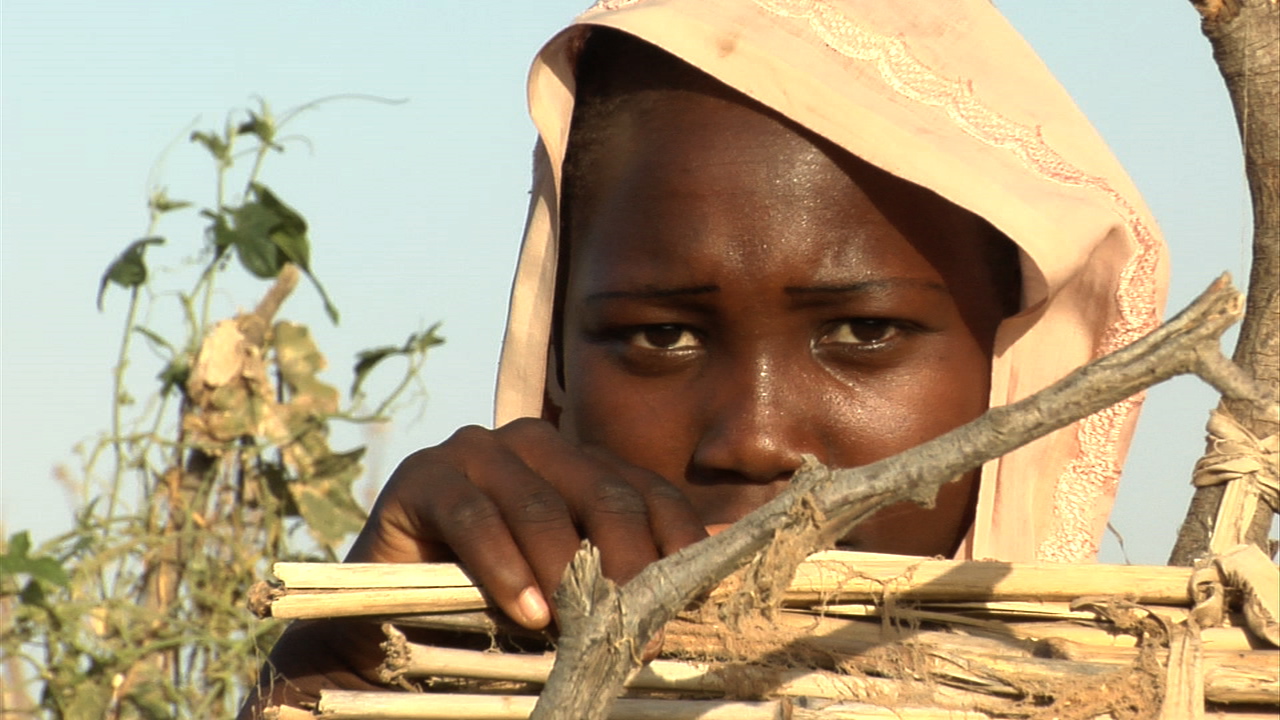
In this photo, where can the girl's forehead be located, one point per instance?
(691, 184)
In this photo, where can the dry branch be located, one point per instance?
(604, 627)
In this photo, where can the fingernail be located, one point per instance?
(533, 608)
(654, 646)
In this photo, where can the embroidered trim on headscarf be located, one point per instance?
(611, 4)
(1248, 467)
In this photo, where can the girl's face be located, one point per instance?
(741, 292)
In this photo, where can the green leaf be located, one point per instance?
(223, 236)
(217, 147)
(329, 308)
(160, 203)
(175, 374)
(262, 124)
(129, 269)
(48, 570)
(154, 337)
(33, 595)
(150, 702)
(290, 237)
(366, 361)
(19, 545)
(423, 341)
(18, 561)
(295, 247)
(252, 238)
(289, 219)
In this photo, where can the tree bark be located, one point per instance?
(1245, 36)
(605, 627)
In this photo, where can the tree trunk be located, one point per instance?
(1245, 36)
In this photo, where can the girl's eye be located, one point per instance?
(861, 331)
(663, 337)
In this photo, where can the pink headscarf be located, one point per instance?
(945, 94)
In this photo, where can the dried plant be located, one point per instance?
(139, 610)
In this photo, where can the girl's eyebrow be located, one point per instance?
(867, 286)
(651, 293)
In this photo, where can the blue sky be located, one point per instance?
(416, 208)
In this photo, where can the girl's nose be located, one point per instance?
(753, 429)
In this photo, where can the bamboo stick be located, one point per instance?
(370, 575)
(377, 601)
(839, 575)
(341, 590)
(286, 712)
(354, 705)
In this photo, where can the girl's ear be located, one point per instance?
(553, 388)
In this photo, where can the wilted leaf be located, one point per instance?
(329, 511)
(299, 360)
(296, 351)
(129, 269)
(340, 467)
(277, 485)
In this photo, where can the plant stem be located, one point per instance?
(207, 277)
(415, 366)
(117, 401)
